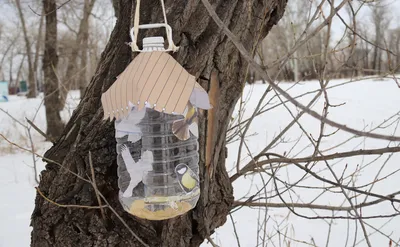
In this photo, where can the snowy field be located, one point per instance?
(368, 103)
(17, 179)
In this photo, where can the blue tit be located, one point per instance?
(188, 180)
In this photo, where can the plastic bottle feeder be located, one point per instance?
(155, 102)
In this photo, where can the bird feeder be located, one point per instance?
(154, 102)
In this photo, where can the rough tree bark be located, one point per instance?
(204, 47)
(50, 61)
(31, 69)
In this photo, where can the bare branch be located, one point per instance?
(266, 77)
(95, 185)
(251, 166)
(39, 131)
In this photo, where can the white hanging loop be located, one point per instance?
(135, 30)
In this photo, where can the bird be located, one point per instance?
(188, 180)
(135, 169)
(180, 127)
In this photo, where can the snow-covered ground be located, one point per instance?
(17, 179)
(368, 103)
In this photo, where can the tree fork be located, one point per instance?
(203, 47)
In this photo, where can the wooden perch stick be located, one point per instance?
(212, 121)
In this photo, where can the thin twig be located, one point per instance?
(251, 166)
(86, 180)
(307, 170)
(44, 158)
(39, 131)
(68, 206)
(59, 7)
(35, 172)
(234, 229)
(293, 205)
(13, 118)
(245, 54)
(123, 221)
(30, 140)
(211, 241)
(95, 186)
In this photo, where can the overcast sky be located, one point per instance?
(8, 13)
(364, 16)
(9, 18)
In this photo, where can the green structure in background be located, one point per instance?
(23, 86)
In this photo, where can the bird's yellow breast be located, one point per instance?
(188, 181)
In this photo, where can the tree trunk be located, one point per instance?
(398, 51)
(37, 51)
(84, 49)
(366, 57)
(73, 74)
(9, 48)
(19, 72)
(50, 61)
(31, 72)
(11, 68)
(82, 73)
(203, 47)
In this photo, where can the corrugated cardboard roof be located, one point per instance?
(154, 79)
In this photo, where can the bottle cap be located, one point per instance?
(156, 42)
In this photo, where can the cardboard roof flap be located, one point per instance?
(157, 80)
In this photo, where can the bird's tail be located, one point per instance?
(181, 129)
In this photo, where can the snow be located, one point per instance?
(367, 104)
(17, 191)
(17, 179)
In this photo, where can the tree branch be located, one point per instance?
(267, 78)
(253, 165)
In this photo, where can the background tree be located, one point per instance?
(75, 75)
(50, 60)
(31, 69)
(88, 6)
(380, 20)
(395, 46)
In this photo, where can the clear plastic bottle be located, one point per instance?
(158, 172)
